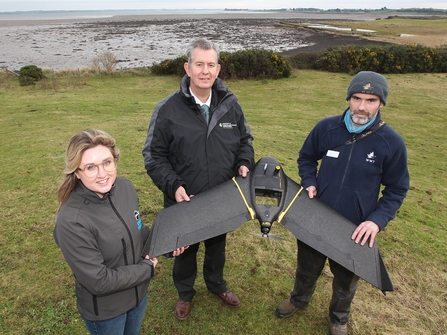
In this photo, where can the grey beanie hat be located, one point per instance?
(370, 83)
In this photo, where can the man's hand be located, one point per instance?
(365, 230)
(243, 171)
(311, 191)
(179, 251)
(180, 195)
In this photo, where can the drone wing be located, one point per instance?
(226, 207)
(318, 225)
(208, 214)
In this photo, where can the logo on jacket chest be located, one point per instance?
(371, 157)
(138, 219)
(227, 125)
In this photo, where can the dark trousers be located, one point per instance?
(185, 268)
(344, 284)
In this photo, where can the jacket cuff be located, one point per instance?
(151, 264)
(377, 220)
(175, 187)
(245, 163)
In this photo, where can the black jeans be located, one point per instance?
(344, 284)
(185, 268)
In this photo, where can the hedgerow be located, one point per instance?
(243, 64)
(265, 64)
(170, 67)
(254, 64)
(412, 58)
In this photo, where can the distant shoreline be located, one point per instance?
(8, 19)
(309, 13)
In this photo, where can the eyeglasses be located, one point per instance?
(91, 170)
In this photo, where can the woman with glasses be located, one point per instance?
(101, 235)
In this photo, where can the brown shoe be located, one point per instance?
(230, 299)
(182, 309)
(338, 329)
(286, 309)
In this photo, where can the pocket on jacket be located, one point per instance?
(359, 206)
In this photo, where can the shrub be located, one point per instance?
(244, 64)
(304, 60)
(254, 63)
(413, 58)
(29, 75)
(105, 60)
(441, 62)
(170, 67)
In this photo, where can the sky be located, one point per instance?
(29, 5)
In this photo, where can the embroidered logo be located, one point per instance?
(371, 158)
(137, 217)
(368, 88)
(226, 125)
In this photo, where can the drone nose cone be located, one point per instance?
(265, 227)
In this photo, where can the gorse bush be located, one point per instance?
(254, 63)
(412, 58)
(29, 75)
(304, 60)
(170, 67)
(244, 64)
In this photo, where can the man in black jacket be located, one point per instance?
(198, 138)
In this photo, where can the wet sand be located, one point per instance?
(141, 40)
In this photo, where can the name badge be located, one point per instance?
(332, 153)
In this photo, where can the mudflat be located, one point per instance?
(141, 40)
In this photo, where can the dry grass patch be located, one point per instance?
(428, 32)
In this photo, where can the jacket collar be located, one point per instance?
(91, 196)
(377, 120)
(220, 89)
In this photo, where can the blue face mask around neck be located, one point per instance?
(350, 125)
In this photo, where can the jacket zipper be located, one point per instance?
(125, 226)
(124, 244)
(350, 142)
(95, 305)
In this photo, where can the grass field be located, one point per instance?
(37, 287)
(399, 30)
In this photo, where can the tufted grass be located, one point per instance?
(36, 285)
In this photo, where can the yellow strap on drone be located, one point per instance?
(281, 216)
(250, 210)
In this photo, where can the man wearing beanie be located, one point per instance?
(358, 154)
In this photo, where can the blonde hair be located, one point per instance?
(78, 144)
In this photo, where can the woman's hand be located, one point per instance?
(153, 260)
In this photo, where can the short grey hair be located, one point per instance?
(202, 44)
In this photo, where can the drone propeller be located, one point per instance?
(269, 236)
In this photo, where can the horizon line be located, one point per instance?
(224, 9)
